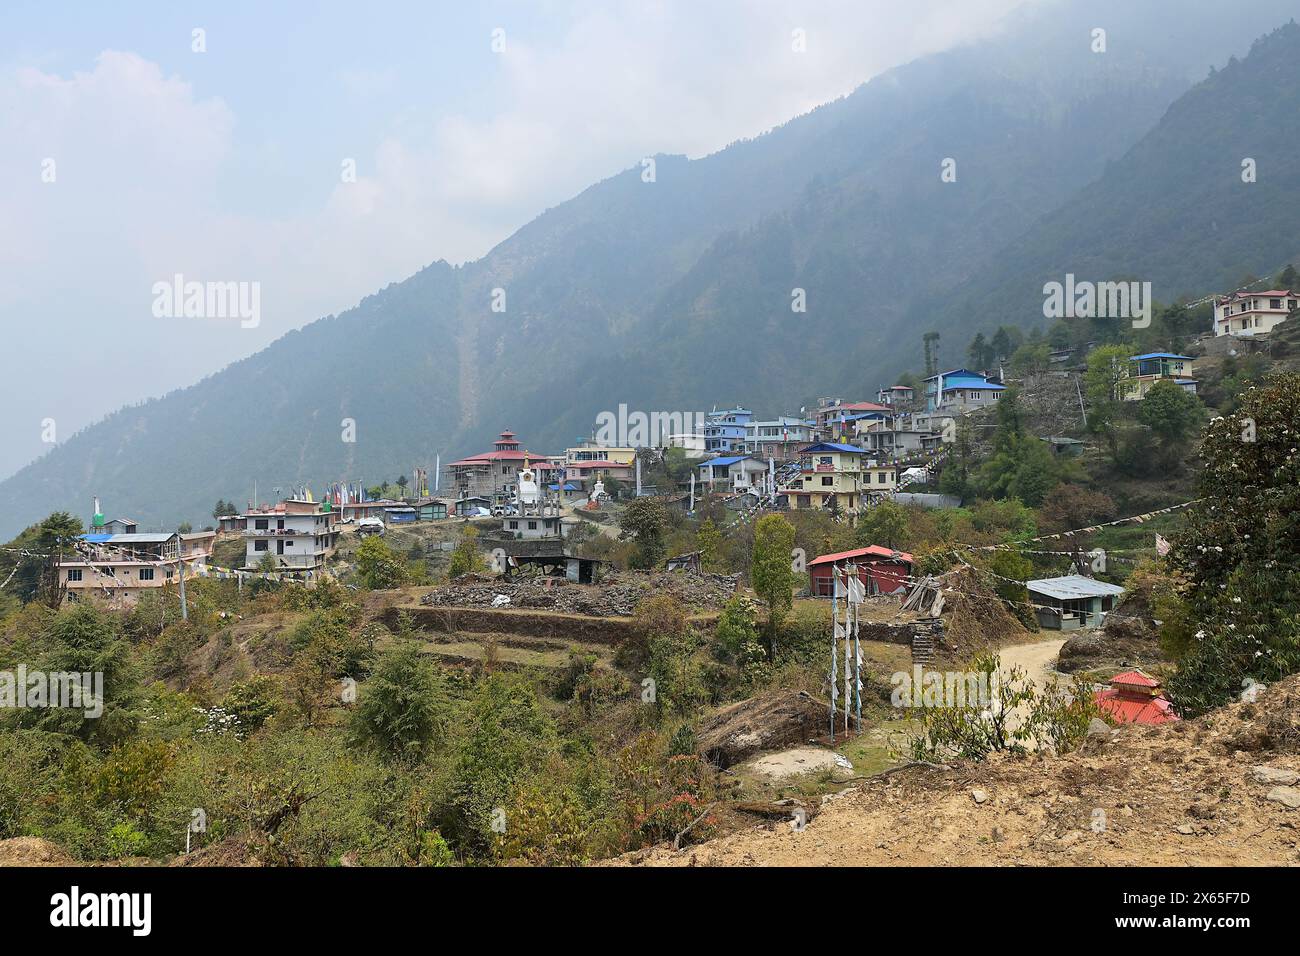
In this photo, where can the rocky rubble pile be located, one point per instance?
(615, 596)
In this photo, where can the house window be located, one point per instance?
(514, 526)
(260, 545)
(261, 524)
(74, 574)
(532, 526)
(1275, 303)
(289, 543)
(880, 478)
(828, 481)
(146, 574)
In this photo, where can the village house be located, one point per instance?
(961, 390)
(896, 395)
(893, 443)
(690, 442)
(837, 420)
(1135, 697)
(836, 476)
(583, 475)
(492, 472)
(778, 438)
(881, 570)
(430, 509)
(533, 526)
(724, 431)
(1063, 446)
(1253, 313)
(227, 524)
(590, 450)
(732, 473)
(118, 568)
(1145, 370)
(1072, 601)
(298, 535)
(353, 510)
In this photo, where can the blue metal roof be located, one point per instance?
(834, 446)
(731, 460)
(859, 415)
(955, 371)
(1154, 355)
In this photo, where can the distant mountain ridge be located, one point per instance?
(676, 294)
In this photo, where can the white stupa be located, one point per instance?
(530, 495)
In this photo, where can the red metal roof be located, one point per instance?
(1135, 678)
(1135, 710)
(874, 551)
(490, 456)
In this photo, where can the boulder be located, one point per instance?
(771, 721)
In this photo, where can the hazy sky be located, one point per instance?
(227, 165)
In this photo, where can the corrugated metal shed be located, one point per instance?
(1073, 587)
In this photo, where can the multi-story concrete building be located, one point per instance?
(1253, 313)
(298, 535)
(836, 476)
(118, 568)
(724, 430)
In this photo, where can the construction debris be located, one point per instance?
(925, 598)
(617, 595)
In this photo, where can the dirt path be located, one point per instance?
(1036, 661)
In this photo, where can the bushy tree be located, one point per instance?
(377, 566)
(507, 735)
(1021, 465)
(83, 639)
(884, 524)
(770, 569)
(466, 558)
(1240, 551)
(708, 541)
(645, 521)
(1173, 414)
(403, 707)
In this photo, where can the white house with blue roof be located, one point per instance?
(1147, 369)
(733, 473)
(961, 390)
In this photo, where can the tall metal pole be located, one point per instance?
(848, 611)
(835, 626)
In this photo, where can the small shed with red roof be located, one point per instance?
(1135, 697)
(881, 570)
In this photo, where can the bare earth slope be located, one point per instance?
(1182, 794)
